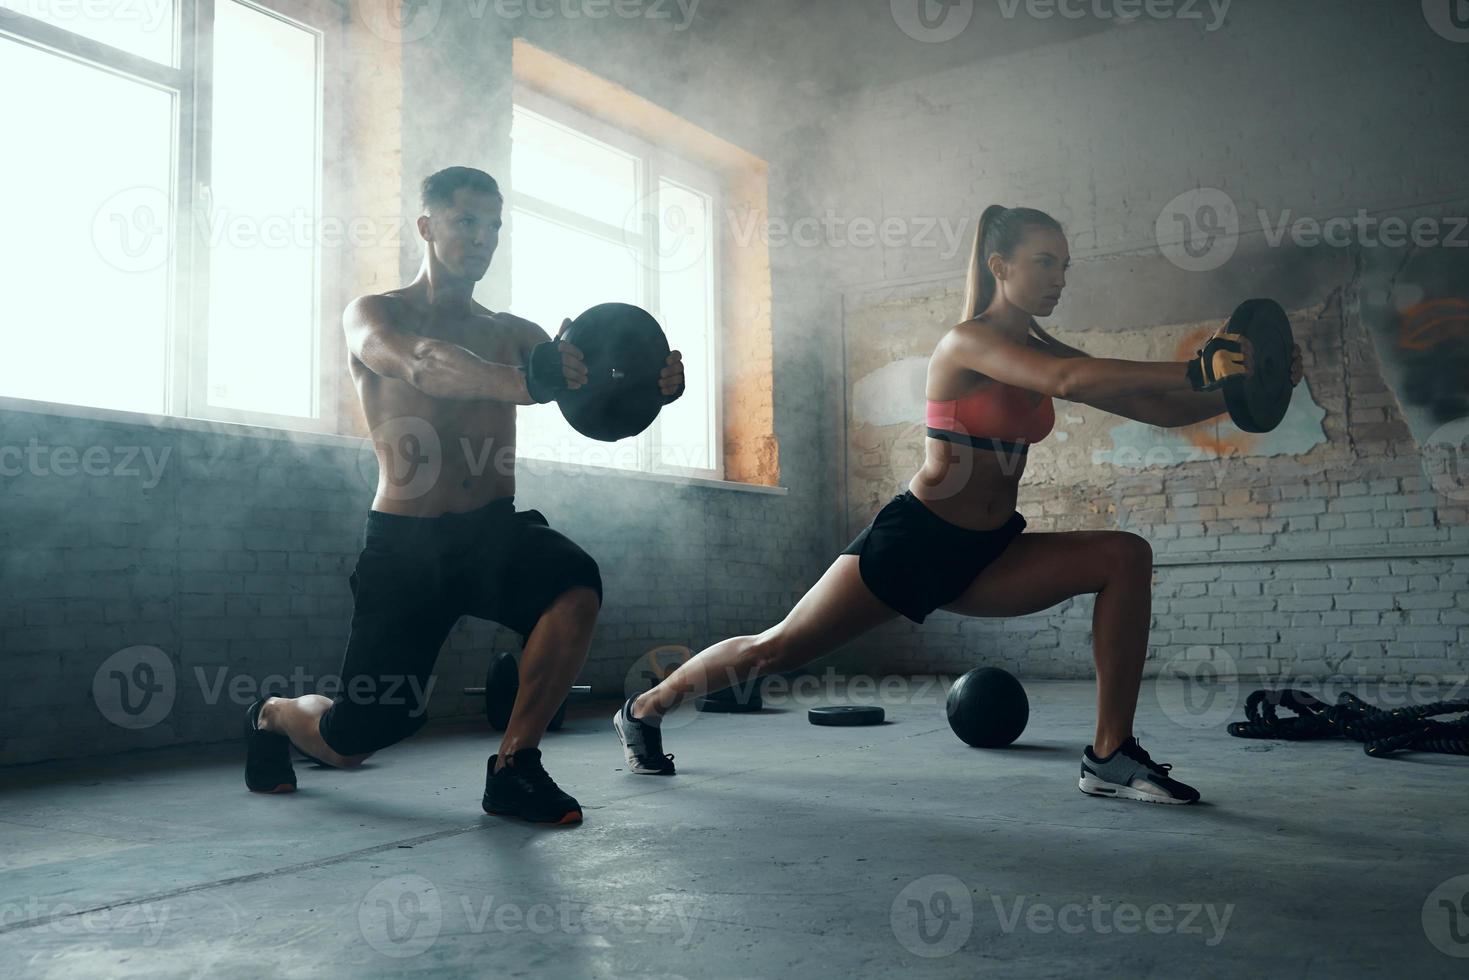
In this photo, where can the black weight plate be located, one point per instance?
(729, 705)
(625, 351)
(1259, 402)
(843, 715)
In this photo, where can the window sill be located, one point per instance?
(116, 416)
(545, 467)
(524, 465)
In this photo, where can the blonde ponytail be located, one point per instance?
(1000, 230)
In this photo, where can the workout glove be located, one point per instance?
(544, 376)
(1218, 360)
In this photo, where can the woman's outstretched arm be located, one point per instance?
(1164, 409)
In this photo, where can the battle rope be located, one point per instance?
(1381, 732)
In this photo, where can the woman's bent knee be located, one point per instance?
(1130, 553)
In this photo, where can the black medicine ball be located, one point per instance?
(988, 708)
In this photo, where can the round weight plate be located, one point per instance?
(729, 705)
(1259, 402)
(625, 351)
(843, 715)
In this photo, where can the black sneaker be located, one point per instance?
(523, 788)
(1131, 774)
(642, 743)
(267, 756)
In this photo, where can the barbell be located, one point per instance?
(502, 683)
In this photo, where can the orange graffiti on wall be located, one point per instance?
(1433, 337)
(1434, 322)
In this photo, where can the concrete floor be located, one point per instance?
(781, 850)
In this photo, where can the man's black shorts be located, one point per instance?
(414, 578)
(915, 561)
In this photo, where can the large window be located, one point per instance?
(598, 216)
(162, 190)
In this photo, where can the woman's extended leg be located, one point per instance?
(838, 609)
(1040, 570)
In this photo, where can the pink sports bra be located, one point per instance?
(997, 417)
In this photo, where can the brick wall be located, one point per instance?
(233, 562)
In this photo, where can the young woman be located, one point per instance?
(953, 541)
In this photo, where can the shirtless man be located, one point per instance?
(439, 378)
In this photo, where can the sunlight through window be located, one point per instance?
(608, 218)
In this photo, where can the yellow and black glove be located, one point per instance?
(1220, 359)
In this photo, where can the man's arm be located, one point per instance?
(435, 367)
(1166, 409)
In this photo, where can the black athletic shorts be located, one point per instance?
(414, 578)
(915, 561)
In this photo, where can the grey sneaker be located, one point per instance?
(642, 743)
(1130, 774)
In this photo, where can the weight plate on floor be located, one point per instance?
(844, 715)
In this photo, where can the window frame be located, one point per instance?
(654, 163)
(189, 79)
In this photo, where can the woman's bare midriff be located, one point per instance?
(968, 487)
